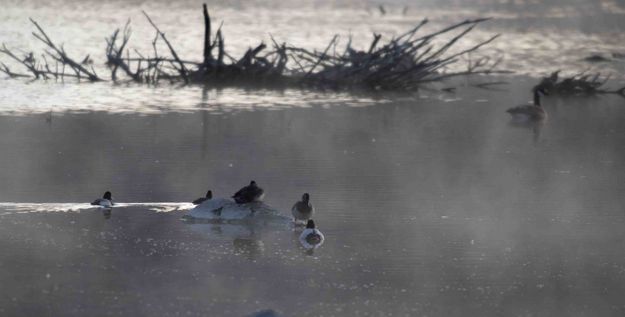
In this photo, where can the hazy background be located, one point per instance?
(431, 202)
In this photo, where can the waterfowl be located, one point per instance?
(303, 210)
(248, 194)
(209, 195)
(311, 237)
(105, 201)
(533, 112)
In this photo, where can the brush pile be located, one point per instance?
(578, 84)
(403, 63)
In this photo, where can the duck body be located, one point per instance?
(311, 237)
(106, 201)
(227, 210)
(248, 194)
(529, 113)
(303, 210)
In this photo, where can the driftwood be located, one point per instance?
(404, 62)
(582, 83)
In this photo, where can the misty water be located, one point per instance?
(431, 202)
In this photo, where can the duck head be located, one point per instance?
(107, 195)
(305, 198)
(209, 194)
(310, 224)
(252, 183)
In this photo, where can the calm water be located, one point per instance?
(429, 206)
(431, 203)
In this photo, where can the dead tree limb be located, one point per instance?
(5, 69)
(208, 56)
(183, 70)
(62, 57)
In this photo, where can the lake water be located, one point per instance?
(431, 203)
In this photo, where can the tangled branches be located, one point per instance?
(404, 62)
(42, 68)
(579, 84)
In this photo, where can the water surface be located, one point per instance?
(431, 203)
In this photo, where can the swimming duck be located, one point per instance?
(105, 201)
(209, 195)
(303, 210)
(533, 112)
(249, 194)
(311, 237)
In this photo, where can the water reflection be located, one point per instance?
(107, 213)
(21, 99)
(536, 127)
(428, 204)
(245, 237)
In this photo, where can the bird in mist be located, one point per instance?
(105, 201)
(302, 210)
(311, 237)
(209, 195)
(248, 194)
(528, 113)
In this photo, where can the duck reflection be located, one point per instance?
(249, 247)
(535, 126)
(107, 213)
(49, 118)
(246, 238)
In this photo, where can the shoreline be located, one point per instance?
(24, 98)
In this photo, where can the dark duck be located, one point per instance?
(528, 113)
(248, 194)
(209, 195)
(105, 201)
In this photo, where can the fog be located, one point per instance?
(431, 201)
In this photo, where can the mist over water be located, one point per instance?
(431, 202)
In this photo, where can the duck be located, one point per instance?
(303, 210)
(105, 201)
(248, 194)
(311, 237)
(209, 195)
(528, 113)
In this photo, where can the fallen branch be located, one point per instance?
(182, 69)
(60, 55)
(405, 62)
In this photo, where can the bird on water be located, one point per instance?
(248, 194)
